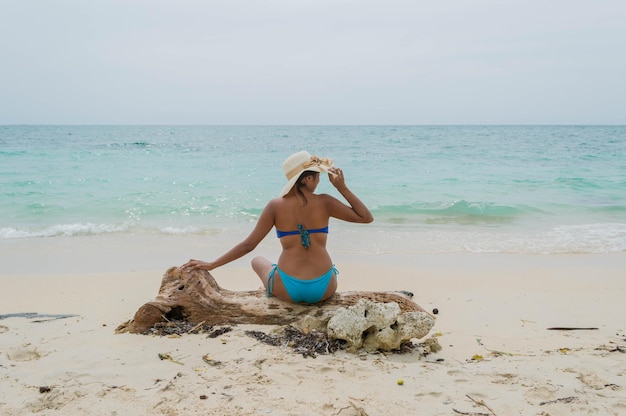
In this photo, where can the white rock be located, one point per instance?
(377, 326)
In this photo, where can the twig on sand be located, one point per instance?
(195, 327)
(481, 403)
(168, 357)
(43, 317)
(470, 413)
(561, 400)
(495, 353)
(360, 410)
(570, 328)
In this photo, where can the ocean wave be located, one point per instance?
(577, 183)
(380, 238)
(187, 230)
(456, 212)
(85, 229)
(596, 238)
(460, 207)
(62, 230)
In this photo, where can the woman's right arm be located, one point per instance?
(261, 229)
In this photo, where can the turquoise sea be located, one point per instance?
(432, 189)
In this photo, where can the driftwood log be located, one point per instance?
(196, 297)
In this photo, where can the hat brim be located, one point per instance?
(294, 179)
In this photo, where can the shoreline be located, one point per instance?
(130, 252)
(494, 311)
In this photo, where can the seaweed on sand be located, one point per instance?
(309, 344)
(181, 327)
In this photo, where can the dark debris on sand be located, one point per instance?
(309, 345)
(180, 327)
(313, 343)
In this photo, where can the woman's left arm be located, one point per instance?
(356, 211)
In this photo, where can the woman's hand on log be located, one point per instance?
(197, 265)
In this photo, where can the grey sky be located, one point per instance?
(313, 62)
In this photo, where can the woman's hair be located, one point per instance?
(301, 179)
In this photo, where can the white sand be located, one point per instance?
(494, 306)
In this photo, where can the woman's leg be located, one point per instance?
(263, 267)
(332, 287)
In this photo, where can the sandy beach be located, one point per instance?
(472, 154)
(498, 356)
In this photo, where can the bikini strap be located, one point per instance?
(270, 280)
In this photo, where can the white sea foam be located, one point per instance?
(565, 239)
(65, 230)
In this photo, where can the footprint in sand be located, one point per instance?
(540, 394)
(23, 354)
(505, 378)
(3, 329)
(593, 381)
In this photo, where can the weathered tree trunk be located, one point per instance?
(196, 297)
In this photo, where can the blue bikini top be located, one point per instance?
(304, 233)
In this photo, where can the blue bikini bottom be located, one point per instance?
(307, 291)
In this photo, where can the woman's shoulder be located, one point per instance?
(312, 198)
(326, 198)
(275, 202)
(279, 203)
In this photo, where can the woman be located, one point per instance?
(304, 272)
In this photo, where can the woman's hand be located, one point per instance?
(356, 211)
(335, 175)
(197, 265)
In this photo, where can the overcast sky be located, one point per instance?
(313, 62)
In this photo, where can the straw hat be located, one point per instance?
(300, 162)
